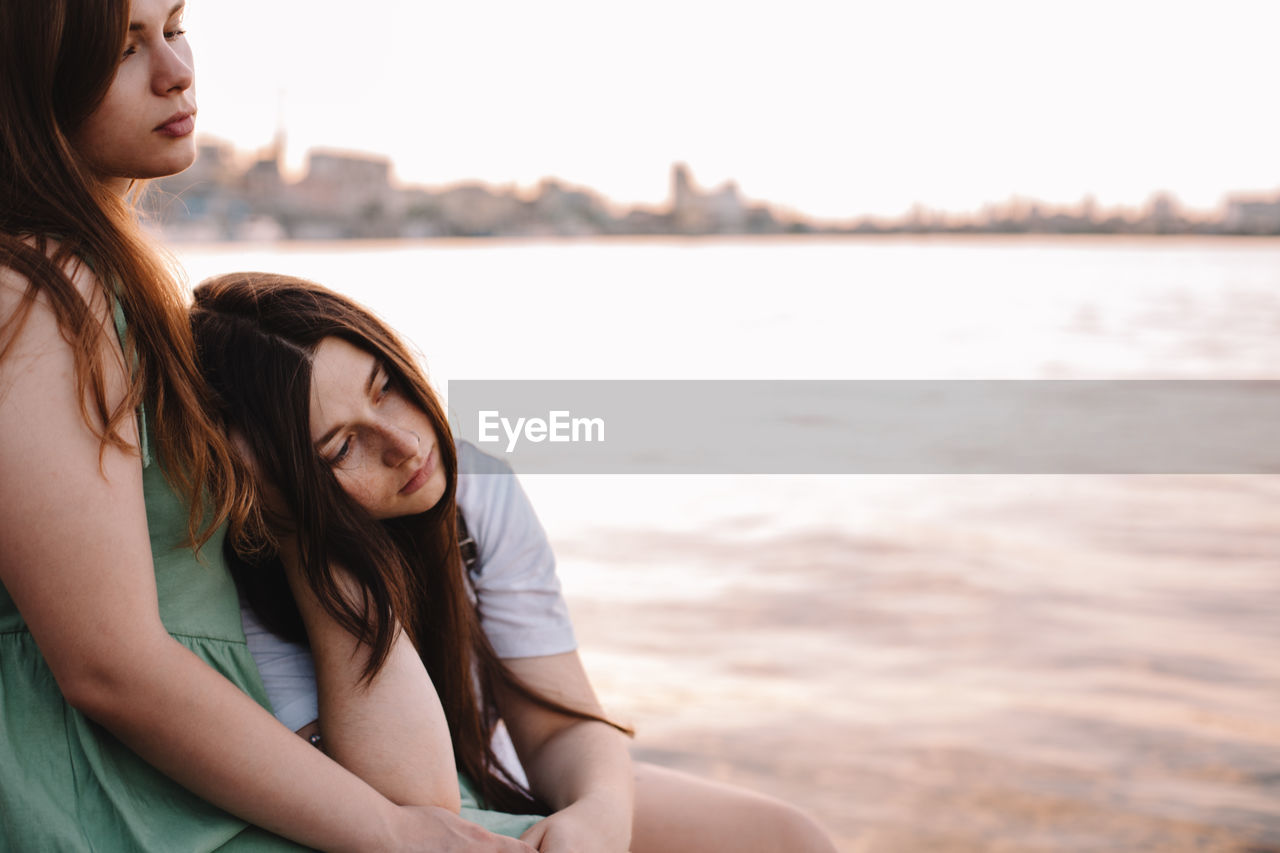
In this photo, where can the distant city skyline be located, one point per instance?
(1015, 205)
(834, 109)
(238, 195)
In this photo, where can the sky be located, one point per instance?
(834, 108)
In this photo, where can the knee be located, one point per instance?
(793, 829)
(679, 812)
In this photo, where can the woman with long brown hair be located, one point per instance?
(356, 551)
(131, 714)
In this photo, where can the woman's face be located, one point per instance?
(144, 127)
(381, 446)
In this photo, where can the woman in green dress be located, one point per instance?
(131, 715)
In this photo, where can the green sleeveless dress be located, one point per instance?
(67, 784)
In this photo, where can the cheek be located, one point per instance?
(361, 487)
(93, 139)
(120, 101)
(103, 138)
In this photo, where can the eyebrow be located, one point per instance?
(136, 26)
(368, 389)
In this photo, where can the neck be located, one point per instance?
(119, 186)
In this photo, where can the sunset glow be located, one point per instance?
(836, 109)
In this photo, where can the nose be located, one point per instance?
(171, 70)
(398, 445)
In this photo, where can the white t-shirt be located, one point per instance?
(517, 591)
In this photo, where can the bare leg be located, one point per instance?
(679, 813)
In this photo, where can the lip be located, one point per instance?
(420, 477)
(177, 125)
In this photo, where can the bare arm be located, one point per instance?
(391, 732)
(582, 768)
(58, 504)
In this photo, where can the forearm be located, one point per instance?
(198, 728)
(390, 731)
(581, 768)
(586, 764)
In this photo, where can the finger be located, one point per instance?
(554, 840)
(534, 834)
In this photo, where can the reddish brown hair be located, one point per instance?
(57, 60)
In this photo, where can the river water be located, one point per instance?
(948, 663)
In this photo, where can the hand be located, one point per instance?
(435, 830)
(587, 826)
(272, 502)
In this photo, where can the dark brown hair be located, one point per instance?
(57, 61)
(256, 334)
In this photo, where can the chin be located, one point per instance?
(178, 158)
(426, 499)
(173, 165)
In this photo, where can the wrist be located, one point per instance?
(610, 812)
(383, 831)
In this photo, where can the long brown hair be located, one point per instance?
(257, 334)
(57, 61)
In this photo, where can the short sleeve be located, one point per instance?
(521, 607)
(288, 673)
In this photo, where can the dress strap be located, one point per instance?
(122, 332)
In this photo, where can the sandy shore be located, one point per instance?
(1043, 663)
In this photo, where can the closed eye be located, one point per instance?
(386, 386)
(343, 452)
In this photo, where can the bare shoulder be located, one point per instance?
(29, 326)
(14, 284)
(42, 362)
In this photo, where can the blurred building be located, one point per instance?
(343, 195)
(474, 210)
(720, 211)
(560, 210)
(1163, 215)
(1252, 215)
(263, 182)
